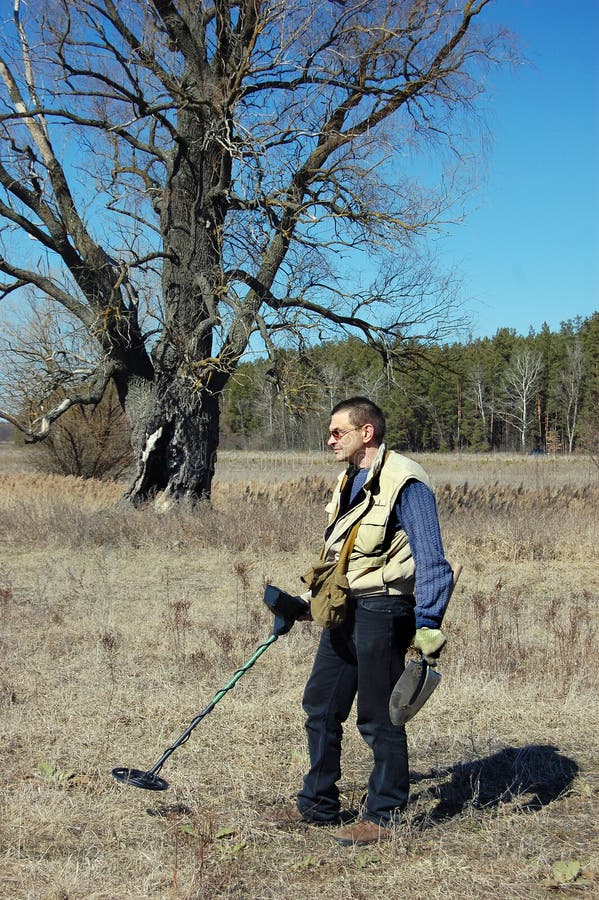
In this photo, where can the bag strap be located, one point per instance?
(348, 545)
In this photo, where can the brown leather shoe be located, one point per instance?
(288, 813)
(364, 832)
(284, 813)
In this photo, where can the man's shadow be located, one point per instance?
(528, 777)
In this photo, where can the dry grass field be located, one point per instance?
(118, 626)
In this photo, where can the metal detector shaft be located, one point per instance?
(287, 609)
(218, 696)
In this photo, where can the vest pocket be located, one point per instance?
(371, 535)
(363, 580)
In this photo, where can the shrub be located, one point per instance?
(88, 442)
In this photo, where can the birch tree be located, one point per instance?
(569, 390)
(518, 391)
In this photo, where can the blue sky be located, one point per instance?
(528, 253)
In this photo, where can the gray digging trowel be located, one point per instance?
(412, 691)
(416, 684)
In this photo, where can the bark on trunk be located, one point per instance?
(177, 459)
(180, 426)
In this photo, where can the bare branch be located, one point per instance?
(43, 423)
(50, 288)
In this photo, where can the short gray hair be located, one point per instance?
(363, 411)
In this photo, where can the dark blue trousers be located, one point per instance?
(365, 656)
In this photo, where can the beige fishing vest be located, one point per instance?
(379, 563)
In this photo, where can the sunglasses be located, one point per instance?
(336, 433)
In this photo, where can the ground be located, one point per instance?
(119, 626)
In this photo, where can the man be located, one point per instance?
(400, 583)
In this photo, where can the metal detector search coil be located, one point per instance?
(139, 778)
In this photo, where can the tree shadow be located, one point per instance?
(526, 777)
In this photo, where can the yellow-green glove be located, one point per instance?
(430, 642)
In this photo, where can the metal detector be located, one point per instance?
(287, 609)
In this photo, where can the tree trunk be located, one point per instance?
(178, 456)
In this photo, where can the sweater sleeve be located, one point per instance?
(417, 514)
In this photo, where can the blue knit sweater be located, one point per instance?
(416, 513)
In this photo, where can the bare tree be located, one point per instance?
(479, 391)
(518, 391)
(331, 381)
(196, 177)
(569, 390)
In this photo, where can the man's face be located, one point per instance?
(345, 439)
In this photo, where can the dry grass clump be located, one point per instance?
(507, 523)
(118, 626)
(536, 530)
(94, 494)
(505, 630)
(51, 510)
(496, 498)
